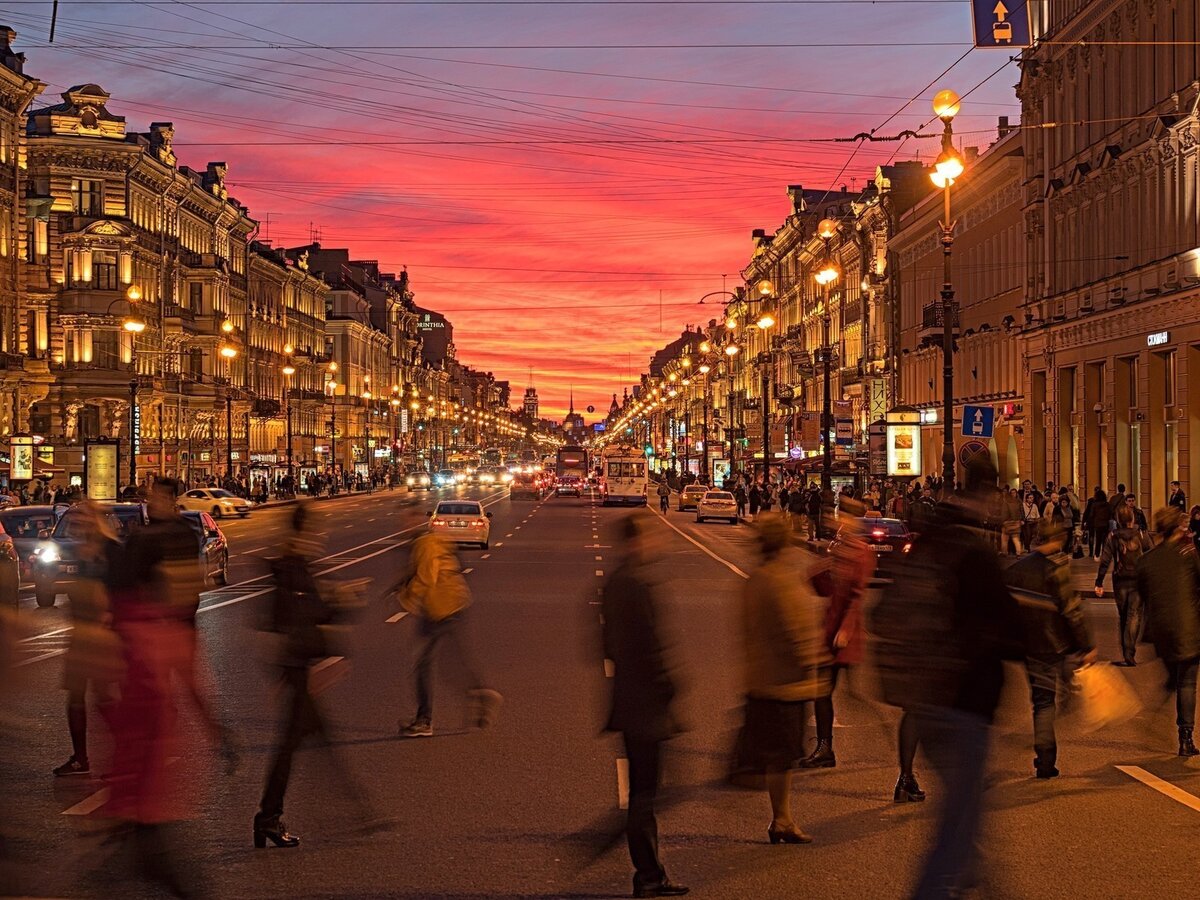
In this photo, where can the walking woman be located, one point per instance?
(755, 501)
(785, 662)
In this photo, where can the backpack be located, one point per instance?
(1128, 549)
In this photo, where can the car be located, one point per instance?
(418, 480)
(444, 478)
(569, 485)
(461, 521)
(717, 505)
(214, 547)
(690, 496)
(526, 487)
(10, 571)
(889, 538)
(218, 502)
(55, 564)
(25, 525)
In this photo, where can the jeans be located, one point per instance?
(1182, 676)
(956, 743)
(449, 630)
(1045, 673)
(301, 718)
(641, 828)
(1129, 611)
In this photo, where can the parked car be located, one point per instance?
(462, 521)
(690, 496)
(25, 524)
(214, 547)
(717, 505)
(55, 565)
(216, 501)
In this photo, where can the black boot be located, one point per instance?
(1186, 746)
(822, 756)
(273, 830)
(907, 790)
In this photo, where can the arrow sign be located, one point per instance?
(1001, 24)
(1001, 11)
(978, 421)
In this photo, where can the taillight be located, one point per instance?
(907, 547)
(878, 533)
(481, 521)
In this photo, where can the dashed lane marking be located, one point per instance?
(599, 558)
(609, 668)
(691, 540)
(599, 573)
(88, 804)
(499, 543)
(622, 783)
(1179, 795)
(468, 571)
(326, 663)
(509, 534)
(391, 620)
(486, 556)
(252, 552)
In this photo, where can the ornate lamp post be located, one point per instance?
(948, 168)
(134, 325)
(825, 276)
(229, 354)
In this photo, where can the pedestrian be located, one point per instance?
(853, 564)
(814, 512)
(943, 633)
(1029, 518)
(1122, 550)
(785, 661)
(1010, 531)
(739, 494)
(755, 501)
(1055, 632)
(1194, 526)
(93, 663)
(435, 592)
(664, 497)
(1101, 512)
(1177, 497)
(643, 694)
(1168, 577)
(1139, 517)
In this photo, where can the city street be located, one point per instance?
(525, 809)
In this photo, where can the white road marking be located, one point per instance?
(599, 573)
(325, 664)
(499, 543)
(249, 552)
(509, 534)
(599, 558)
(486, 556)
(1163, 787)
(391, 620)
(687, 537)
(609, 668)
(468, 571)
(88, 804)
(49, 654)
(622, 783)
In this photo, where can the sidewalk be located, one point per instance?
(321, 497)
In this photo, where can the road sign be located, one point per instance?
(971, 450)
(1001, 24)
(844, 433)
(978, 421)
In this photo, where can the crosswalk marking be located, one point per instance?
(1165, 788)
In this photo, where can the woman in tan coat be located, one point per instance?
(785, 662)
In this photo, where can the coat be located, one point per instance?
(1168, 577)
(1101, 513)
(853, 565)
(782, 632)
(1051, 611)
(435, 588)
(643, 689)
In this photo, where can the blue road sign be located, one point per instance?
(978, 421)
(1001, 24)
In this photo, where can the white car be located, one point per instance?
(217, 502)
(462, 521)
(717, 505)
(418, 480)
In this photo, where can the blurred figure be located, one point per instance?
(1100, 511)
(1054, 631)
(1168, 577)
(93, 662)
(1122, 549)
(943, 632)
(435, 591)
(664, 496)
(853, 564)
(1177, 497)
(643, 691)
(786, 664)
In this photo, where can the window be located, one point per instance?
(1133, 381)
(1170, 370)
(195, 296)
(87, 197)
(104, 270)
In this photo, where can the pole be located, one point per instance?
(729, 429)
(947, 352)
(704, 437)
(766, 422)
(826, 402)
(229, 432)
(133, 390)
(291, 473)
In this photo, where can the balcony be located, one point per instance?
(264, 408)
(203, 261)
(848, 375)
(931, 329)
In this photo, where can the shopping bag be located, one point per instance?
(1103, 697)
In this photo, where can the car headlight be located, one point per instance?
(408, 480)
(47, 553)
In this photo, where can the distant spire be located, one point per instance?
(572, 404)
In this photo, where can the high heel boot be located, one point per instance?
(1186, 745)
(907, 790)
(276, 832)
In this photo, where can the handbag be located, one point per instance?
(1104, 697)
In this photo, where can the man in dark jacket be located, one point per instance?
(1168, 578)
(642, 695)
(1054, 630)
(1178, 498)
(1122, 550)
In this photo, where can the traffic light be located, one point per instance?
(649, 449)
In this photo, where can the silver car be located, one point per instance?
(462, 521)
(717, 505)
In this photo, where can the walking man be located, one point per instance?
(1122, 550)
(642, 697)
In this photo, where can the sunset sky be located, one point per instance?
(558, 177)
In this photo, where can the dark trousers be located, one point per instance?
(641, 828)
(444, 631)
(956, 743)
(1045, 674)
(1096, 538)
(823, 708)
(300, 719)
(1129, 612)
(1181, 676)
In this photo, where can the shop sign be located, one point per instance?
(21, 449)
(101, 468)
(1158, 338)
(45, 453)
(903, 434)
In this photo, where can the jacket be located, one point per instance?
(1101, 512)
(1051, 611)
(781, 627)
(1167, 578)
(643, 689)
(435, 589)
(298, 612)
(853, 565)
(1113, 553)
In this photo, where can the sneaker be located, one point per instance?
(416, 729)
(488, 705)
(73, 767)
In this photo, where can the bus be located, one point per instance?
(623, 479)
(571, 471)
(492, 457)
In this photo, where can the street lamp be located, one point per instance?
(134, 325)
(288, 371)
(825, 276)
(229, 353)
(947, 169)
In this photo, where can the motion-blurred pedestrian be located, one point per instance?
(643, 692)
(1122, 549)
(1168, 577)
(1055, 633)
(436, 593)
(786, 664)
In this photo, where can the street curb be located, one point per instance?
(270, 504)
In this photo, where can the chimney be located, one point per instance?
(1004, 128)
(796, 195)
(10, 60)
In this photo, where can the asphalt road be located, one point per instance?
(525, 809)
